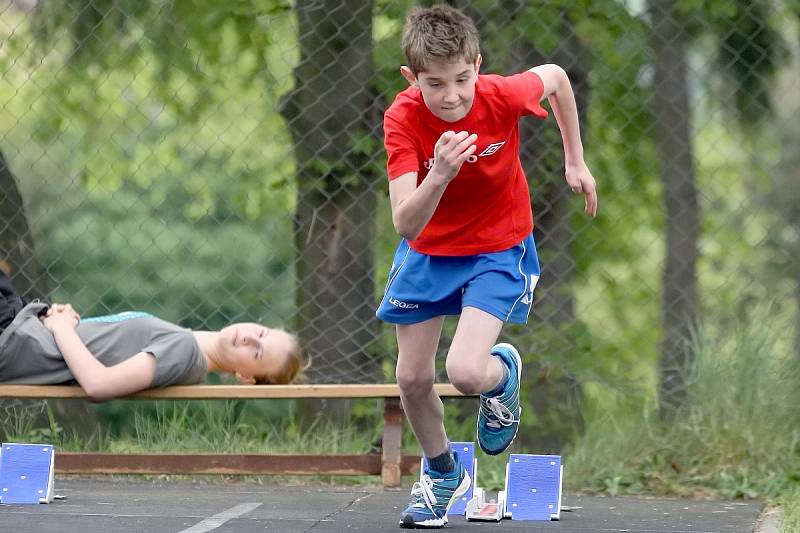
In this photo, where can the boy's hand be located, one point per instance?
(580, 180)
(450, 152)
(60, 316)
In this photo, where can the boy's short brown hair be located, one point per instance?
(438, 33)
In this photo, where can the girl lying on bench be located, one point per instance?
(121, 354)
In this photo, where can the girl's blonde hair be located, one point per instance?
(291, 371)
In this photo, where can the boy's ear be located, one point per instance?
(408, 75)
(245, 380)
(478, 63)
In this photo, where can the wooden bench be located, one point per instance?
(390, 463)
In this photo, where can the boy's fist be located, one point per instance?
(450, 152)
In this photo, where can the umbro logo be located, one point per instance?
(489, 150)
(492, 148)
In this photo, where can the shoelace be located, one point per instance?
(497, 413)
(423, 491)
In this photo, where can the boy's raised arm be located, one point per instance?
(558, 91)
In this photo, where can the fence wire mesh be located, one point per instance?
(214, 162)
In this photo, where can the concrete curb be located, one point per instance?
(769, 521)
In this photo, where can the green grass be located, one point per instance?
(789, 503)
(218, 427)
(229, 426)
(736, 436)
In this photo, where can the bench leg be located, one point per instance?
(392, 442)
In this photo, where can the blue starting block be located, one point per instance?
(466, 453)
(26, 473)
(533, 487)
(532, 491)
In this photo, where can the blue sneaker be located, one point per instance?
(433, 495)
(498, 418)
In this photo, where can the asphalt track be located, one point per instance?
(124, 505)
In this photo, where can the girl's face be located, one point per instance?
(249, 350)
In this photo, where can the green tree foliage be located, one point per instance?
(148, 182)
(749, 48)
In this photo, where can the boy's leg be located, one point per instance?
(416, 373)
(446, 479)
(476, 365)
(470, 365)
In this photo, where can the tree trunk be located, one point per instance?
(18, 260)
(334, 222)
(672, 113)
(17, 257)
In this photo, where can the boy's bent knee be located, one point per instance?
(468, 380)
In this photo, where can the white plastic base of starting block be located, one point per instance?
(479, 509)
(26, 473)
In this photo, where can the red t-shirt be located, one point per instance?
(486, 208)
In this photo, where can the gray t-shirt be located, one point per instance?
(29, 354)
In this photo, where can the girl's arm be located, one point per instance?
(98, 381)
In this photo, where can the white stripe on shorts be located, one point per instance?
(534, 279)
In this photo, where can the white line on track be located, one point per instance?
(217, 520)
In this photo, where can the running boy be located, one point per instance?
(460, 201)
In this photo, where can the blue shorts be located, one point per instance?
(422, 286)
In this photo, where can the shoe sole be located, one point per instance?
(441, 522)
(519, 380)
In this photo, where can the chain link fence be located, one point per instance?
(217, 162)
